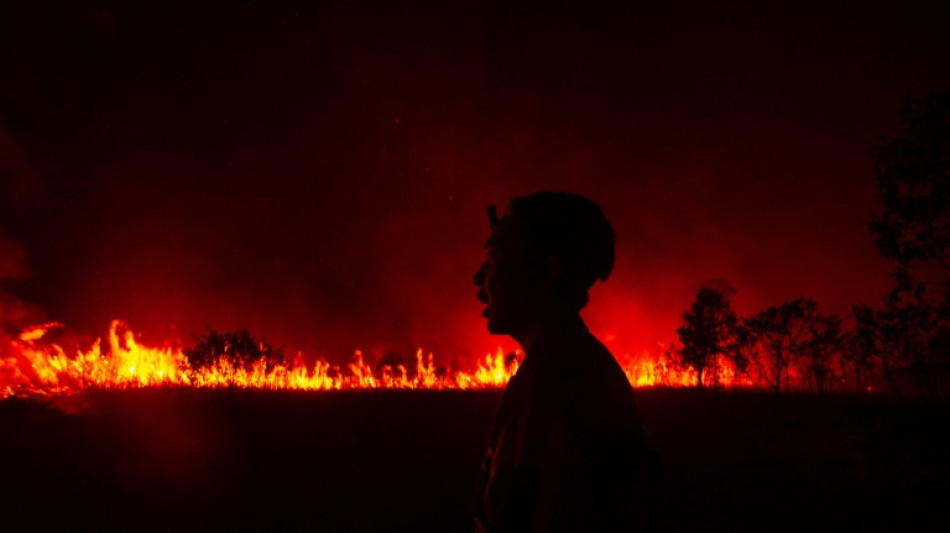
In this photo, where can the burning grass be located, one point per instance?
(35, 368)
(31, 366)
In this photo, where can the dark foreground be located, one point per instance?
(184, 460)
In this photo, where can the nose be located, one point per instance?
(479, 277)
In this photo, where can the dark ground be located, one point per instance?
(184, 460)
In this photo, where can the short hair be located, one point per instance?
(571, 228)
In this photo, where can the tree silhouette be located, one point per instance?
(742, 349)
(858, 348)
(824, 341)
(913, 183)
(706, 333)
(906, 339)
(782, 331)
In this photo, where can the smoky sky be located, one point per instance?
(319, 173)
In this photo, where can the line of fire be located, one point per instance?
(786, 348)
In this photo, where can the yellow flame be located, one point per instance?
(33, 368)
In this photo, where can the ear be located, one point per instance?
(550, 272)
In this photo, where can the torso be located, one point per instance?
(572, 380)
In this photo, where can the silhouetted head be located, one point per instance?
(544, 254)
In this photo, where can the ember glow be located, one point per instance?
(32, 367)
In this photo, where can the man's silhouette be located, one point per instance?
(566, 450)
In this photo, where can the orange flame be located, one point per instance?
(32, 368)
(649, 371)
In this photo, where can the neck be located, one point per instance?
(547, 327)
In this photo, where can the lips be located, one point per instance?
(483, 298)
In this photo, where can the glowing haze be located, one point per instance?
(320, 175)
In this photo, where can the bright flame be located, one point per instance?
(29, 368)
(649, 371)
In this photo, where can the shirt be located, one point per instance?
(567, 451)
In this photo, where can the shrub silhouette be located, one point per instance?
(239, 346)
